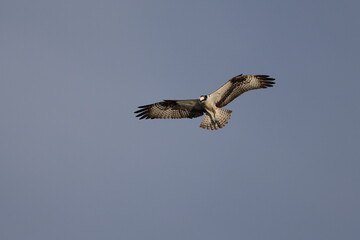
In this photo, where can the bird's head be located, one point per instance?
(202, 98)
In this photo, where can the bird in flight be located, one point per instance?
(211, 105)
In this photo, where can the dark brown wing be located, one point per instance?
(171, 109)
(238, 85)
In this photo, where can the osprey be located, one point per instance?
(215, 116)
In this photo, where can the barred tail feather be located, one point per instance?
(222, 116)
(206, 123)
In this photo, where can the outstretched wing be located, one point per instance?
(238, 85)
(171, 109)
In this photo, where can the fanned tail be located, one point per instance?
(221, 119)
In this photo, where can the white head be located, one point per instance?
(202, 98)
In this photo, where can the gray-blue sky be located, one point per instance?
(76, 164)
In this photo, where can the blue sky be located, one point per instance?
(76, 164)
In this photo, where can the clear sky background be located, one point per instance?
(75, 163)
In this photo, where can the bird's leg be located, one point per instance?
(213, 119)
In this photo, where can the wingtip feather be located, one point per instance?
(266, 80)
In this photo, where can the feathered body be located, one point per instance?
(215, 116)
